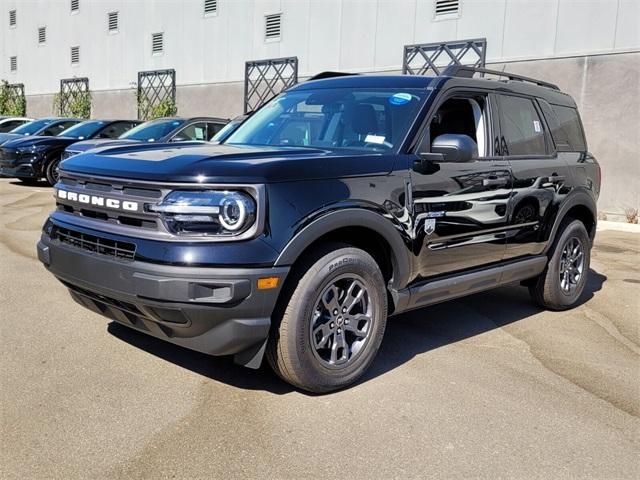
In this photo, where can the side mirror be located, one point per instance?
(180, 138)
(455, 148)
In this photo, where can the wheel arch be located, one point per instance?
(580, 206)
(360, 228)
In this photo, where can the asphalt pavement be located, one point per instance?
(489, 386)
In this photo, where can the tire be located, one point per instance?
(561, 284)
(344, 344)
(51, 170)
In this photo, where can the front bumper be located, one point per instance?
(218, 311)
(21, 171)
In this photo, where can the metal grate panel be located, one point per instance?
(264, 79)
(154, 88)
(157, 43)
(433, 58)
(210, 7)
(13, 64)
(75, 55)
(12, 18)
(447, 7)
(42, 34)
(112, 21)
(272, 26)
(72, 90)
(75, 5)
(15, 102)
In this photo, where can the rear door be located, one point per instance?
(540, 176)
(460, 209)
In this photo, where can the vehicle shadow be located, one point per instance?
(30, 184)
(407, 335)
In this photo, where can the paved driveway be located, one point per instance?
(489, 386)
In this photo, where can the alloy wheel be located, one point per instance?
(571, 265)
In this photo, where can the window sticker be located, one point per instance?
(401, 98)
(379, 139)
(536, 126)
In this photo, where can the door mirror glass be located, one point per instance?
(455, 147)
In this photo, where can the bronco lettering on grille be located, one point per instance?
(98, 201)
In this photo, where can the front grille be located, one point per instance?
(8, 157)
(91, 243)
(142, 195)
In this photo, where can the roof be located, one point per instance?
(374, 81)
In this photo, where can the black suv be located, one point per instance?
(338, 203)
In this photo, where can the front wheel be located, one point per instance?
(332, 320)
(561, 284)
(52, 171)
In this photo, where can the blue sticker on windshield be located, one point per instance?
(400, 98)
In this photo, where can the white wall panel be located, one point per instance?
(356, 35)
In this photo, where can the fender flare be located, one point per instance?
(579, 198)
(353, 217)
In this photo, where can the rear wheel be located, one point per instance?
(52, 171)
(561, 284)
(331, 322)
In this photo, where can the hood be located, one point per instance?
(38, 141)
(224, 163)
(5, 137)
(85, 145)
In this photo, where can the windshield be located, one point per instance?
(82, 130)
(367, 119)
(226, 131)
(32, 127)
(152, 131)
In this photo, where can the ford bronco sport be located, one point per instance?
(340, 202)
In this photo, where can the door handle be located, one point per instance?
(556, 178)
(495, 182)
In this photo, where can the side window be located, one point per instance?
(195, 131)
(569, 128)
(8, 126)
(115, 130)
(521, 126)
(463, 116)
(213, 129)
(54, 130)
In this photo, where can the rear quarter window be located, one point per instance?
(568, 134)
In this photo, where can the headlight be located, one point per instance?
(207, 212)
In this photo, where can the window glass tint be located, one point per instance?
(227, 130)
(32, 127)
(8, 126)
(152, 131)
(57, 128)
(83, 130)
(373, 120)
(569, 128)
(213, 130)
(195, 131)
(522, 129)
(115, 130)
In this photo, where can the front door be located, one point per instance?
(460, 209)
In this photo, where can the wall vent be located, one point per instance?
(273, 24)
(210, 7)
(447, 7)
(42, 34)
(13, 64)
(12, 18)
(113, 22)
(157, 43)
(75, 5)
(75, 55)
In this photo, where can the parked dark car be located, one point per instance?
(36, 157)
(161, 130)
(340, 202)
(43, 126)
(9, 123)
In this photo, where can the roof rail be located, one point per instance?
(469, 72)
(321, 75)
